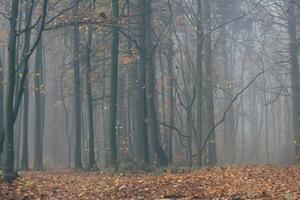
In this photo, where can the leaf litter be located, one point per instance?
(235, 183)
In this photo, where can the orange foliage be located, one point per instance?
(243, 182)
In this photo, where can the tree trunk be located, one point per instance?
(210, 107)
(77, 104)
(142, 111)
(243, 111)
(170, 55)
(131, 89)
(293, 48)
(1, 101)
(165, 142)
(199, 83)
(147, 58)
(24, 158)
(9, 95)
(189, 119)
(114, 86)
(38, 142)
(92, 162)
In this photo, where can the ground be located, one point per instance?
(238, 182)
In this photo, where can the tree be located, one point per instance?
(38, 90)
(147, 58)
(1, 101)
(77, 103)
(114, 85)
(28, 19)
(92, 162)
(293, 49)
(170, 61)
(9, 95)
(199, 86)
(210, 115)
(142, 112)
(13, 92)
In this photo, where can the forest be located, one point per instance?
(149, 99)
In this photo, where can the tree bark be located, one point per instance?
(1, 101)
(170, 55)
(77, 104)
(38, 142)
(114, 86)
(143, 123)
(92, 162)
(148, 59)
(9, 95)
(210, 106)
(293, 48)
(199, 82)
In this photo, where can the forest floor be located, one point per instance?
(237, 182)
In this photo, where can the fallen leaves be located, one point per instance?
(239, 182)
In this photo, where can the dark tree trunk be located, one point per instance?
(199, 83)
(189, 121)
(131, 88)
(38, 142)
(24, 158)
(147, 58)
(92, 162)
(77, 104)
(9, 95)
(170, 55)
(114, 86)
(1, 101)
(293, 47)
(142, 112)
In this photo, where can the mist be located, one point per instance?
(143, 85)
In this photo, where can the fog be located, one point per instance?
(140, 85)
